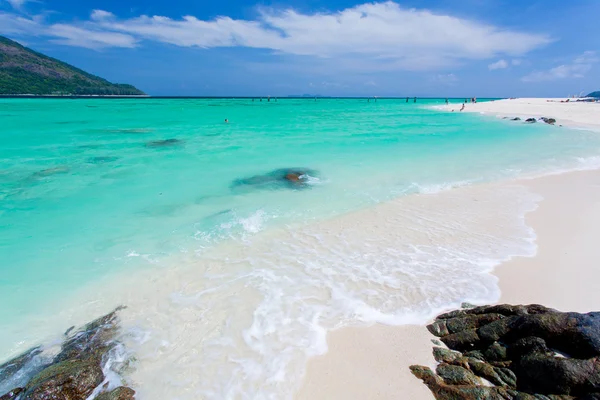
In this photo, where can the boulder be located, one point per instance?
(526, 352)
(550, 121)
(530, 120)
(456, 375)
(516, 119)
(541, 373)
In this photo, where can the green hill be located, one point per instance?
(594, 94)
(24, 71)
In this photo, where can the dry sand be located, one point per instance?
(573, 114)
(372, 363)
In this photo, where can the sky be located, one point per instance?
(425, 48)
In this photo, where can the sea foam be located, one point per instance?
(241, 319)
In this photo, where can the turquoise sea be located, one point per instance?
(90, 195)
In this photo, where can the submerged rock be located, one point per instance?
(50, 171)
(164, 143)
(527, 352)
(516, 119)
(102, 159)
(290, 178)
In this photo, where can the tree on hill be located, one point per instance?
(24, 71)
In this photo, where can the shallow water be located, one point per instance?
(230, 289)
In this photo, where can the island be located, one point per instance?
(27, 72)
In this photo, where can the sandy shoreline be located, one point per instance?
(572, 114)
(373, 362)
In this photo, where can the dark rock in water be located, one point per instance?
(290, 178)
(530, 120)
(527, 352)
(120, 393)
(11, 367)
(102, 159)
(51, 171)
(164, 143)
(12, 394)
(77, 371)
(516, 119)
(550, 121)
(72, 379)
(92, 341)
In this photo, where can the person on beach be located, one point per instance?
(415, 100)
(226, 121)
(446, 101)
(462, 108)
(407, 99)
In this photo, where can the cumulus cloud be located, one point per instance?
(500, 64)
(385, 32)
(100, 15)
(575, 69)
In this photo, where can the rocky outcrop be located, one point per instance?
(284, 178)
(120, 393)
(525, 352)
(76, 371)
(531, 120)
(550, 121)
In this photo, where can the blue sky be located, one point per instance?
(482, 48)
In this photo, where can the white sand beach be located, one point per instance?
(373, 362)
(572, 113)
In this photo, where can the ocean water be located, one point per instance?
(231, 288)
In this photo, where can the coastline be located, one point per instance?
(562, 275)
(347, 248)
(572, 114)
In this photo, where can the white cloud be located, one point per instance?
(500, 64)
(99, 15)
(576, 69)
(11, 24)
(17, 4)
(516, 62)
(372, 33)
(74, 36)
